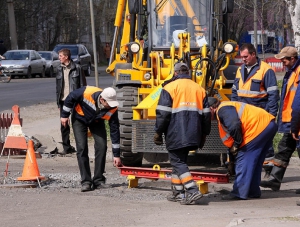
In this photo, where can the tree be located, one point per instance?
(294, 10)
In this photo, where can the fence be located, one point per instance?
(5, 122)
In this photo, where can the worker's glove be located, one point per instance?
(158, 140)
(203, 139)
(233, 150)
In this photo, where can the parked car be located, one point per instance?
(79, 55)
(26, 63)
(52, 62)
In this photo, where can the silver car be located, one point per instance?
(26, 63)
(52, 62)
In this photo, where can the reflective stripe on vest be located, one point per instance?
(109, 113)
(87, 99)
(244, 89)
(183, 100)
(253, 119)
(224, 134)
(291, 89)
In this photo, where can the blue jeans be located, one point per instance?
(97, 128)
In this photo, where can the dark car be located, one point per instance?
(79, 55)
(52, 62)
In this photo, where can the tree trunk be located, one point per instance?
(294, 10)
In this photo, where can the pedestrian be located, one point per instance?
(107, 50)
(247, 131)
(69, 77)
(287, 144)
(92, 107)
(2, 48)
(183, 117)
(256, 84)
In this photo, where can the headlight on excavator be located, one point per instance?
(133, 47)
(229, 47)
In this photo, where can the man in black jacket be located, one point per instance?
(69, 77)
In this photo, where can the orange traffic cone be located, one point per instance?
(31, 169)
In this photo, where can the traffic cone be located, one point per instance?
(15, 138)
(31, 169)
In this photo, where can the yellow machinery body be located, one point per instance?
(150, 37)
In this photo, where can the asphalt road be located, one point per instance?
(27, 92)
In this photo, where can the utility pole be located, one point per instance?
(255, 24)
(12, 25)
(94, 43)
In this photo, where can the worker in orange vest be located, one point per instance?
(248, 132)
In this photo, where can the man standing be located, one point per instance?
(92, 107)
(69, 77)
(287, 145)
(256, 84)
(2, 47)
(247, 131)
(107, 50)
(183, 116)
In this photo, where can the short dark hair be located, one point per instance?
(251, 49)
(66, 52)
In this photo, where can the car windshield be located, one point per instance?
(73, 49)
(47, 56)
(16, 55)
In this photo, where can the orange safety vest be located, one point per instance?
(254, 121)
(88, 99)
(244, 89)
(180, 96)
(289, 95)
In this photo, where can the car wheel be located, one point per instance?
(29, 74)
(87, 72)
(43, 75)
(51, 72)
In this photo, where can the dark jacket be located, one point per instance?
(182, 113)
(268, 82)
(294, 126)
(2, 49)
(76, 80)
(84, 100)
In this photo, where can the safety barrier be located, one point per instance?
(5, 122)
(238, 60)
(276, 64)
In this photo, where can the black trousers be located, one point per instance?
(286, 148)
(178, 161)
(97, 128)
(65, 132)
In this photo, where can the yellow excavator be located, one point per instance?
(150, 37)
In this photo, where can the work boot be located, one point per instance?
(275, 178)
(268, 169)
(191, 198)
(86, 188)
(176, 197)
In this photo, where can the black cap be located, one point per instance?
(212, 101)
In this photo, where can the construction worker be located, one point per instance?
(247, 131)
(287, 144)
(256, 84)
(183, 116)
(295, 126)
(90, 106)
